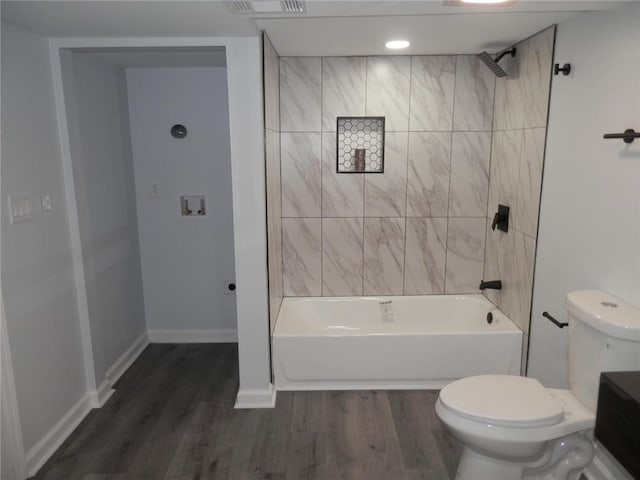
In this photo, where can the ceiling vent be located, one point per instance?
(265, 7)
(239, 7)
(292, 6)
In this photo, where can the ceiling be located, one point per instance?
(348, 27)
(428, 34)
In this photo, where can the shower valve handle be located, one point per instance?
(496, 219)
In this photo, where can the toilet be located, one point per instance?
(514, 428)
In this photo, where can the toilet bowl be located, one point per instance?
(514, 428)
(511, 426)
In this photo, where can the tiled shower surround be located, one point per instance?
(519, 132)
(420, 227)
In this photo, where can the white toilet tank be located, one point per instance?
(604, 336)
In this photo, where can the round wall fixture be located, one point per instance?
(178, 131)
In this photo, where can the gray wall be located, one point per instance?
(590, 211)
(95, 93)
(419, 228)
(186, 261)
(274, 191)
(37, 269)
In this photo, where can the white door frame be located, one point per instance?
(244, 78)
(10, 417)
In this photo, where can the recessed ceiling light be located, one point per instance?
(397, 44)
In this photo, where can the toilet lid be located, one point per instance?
(502, 400)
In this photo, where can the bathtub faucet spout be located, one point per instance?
(493, 284)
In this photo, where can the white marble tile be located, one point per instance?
(300, 94)
(425, 256)
(432, 89)
(383, 256)
(465, 255)
(302, 257)
(274, 191)
(301, 174)
(505, 164)
(521, 280)
(469, 189)
(271, 86)
(537, 78)
(525, 218)
(428, 176)
(342, 256)
(342, 193)
(473, 107)
(343, 89)
(385, 193)
(275, 271)
(498, 264)
(510, 257)
(509, 100)
(388, 90)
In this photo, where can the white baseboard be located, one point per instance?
(218, 335)
(123, 363)
(42, 451)
(256, 398)
(46, 447)
(285, 385)
(102, 394)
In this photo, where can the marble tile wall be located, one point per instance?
(418, 228)
(519, 131)
(458, 143)
(273, 177)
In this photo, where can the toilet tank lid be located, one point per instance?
(605, 313)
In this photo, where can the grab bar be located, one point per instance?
(554, 321)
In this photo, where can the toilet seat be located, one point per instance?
(503, 400)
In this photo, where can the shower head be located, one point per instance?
(492, 63)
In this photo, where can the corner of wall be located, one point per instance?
(256, 398)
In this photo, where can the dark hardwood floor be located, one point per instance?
(172, 418)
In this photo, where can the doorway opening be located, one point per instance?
(150, 154)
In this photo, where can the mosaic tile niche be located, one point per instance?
(360, 145)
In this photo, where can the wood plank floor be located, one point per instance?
(172, 418)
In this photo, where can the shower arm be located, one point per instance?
(501, 55)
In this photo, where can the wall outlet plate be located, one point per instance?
(20, 208)
(45, 203)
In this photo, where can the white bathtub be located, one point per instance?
(344, 343)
